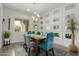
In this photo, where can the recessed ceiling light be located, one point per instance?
(28, 9)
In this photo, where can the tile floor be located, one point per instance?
(18, 50)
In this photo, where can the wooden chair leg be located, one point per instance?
(53, 52)
(46, 53)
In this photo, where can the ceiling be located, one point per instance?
(33, 8)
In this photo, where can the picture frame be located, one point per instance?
(56, 34)
(68, 36)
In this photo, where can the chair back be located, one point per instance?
(33, 32)
(38, 33)
(27, 40)
(49, 40)
(29, 32)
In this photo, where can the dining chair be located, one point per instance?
(29, 32)
(33, 32)
(29, 43)
(47, 43)
(38, 33)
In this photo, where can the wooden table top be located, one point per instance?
(39, 37)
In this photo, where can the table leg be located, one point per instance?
(36, 46)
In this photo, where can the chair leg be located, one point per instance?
(38, 50)
(36, 54)
(26, 49)
(53, 52)
(46, 53)
(29, 52)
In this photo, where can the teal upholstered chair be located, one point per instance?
(47, 44)
(29, 32)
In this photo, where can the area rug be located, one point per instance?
(58, 52)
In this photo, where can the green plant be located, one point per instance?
(6, 35)
(72, 26)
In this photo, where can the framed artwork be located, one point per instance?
(41, 22)
(35, 26)
(47, 21)
(56, 34)
(68, 36)
(47, 15)
(56, 27)
(55, 20)
(56, 11)
(3, 21)
(68, 16)
(41, 27)
(8, 23)
(70, 6)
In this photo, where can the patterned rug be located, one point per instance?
(18, 50)
(58, 52)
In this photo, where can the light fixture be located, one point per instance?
(35, 19)
(38, 15)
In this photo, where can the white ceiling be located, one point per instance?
(40, 8)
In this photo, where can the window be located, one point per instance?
(21, 25)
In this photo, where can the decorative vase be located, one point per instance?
(73, 48)
(7, 42)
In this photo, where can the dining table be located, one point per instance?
(37, 39)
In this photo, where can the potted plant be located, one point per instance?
(6, 36)
(72, 26)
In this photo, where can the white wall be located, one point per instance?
(60, 13)
(0, 25)
(12, 14)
